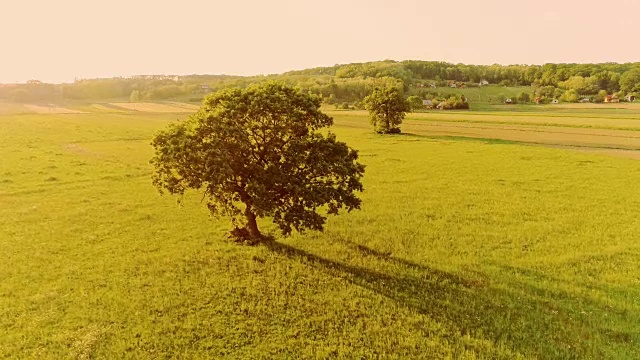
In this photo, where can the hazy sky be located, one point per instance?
(61, 40)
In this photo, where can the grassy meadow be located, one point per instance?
(503, 234)
(486, 94)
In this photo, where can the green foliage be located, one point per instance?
(557, 93)
(452, 102)
(259, 146)
(607, 80)
(630, 80)
(375, 70)
(415, 102)
(545, 91)
(387, 108)
(571, 96)
(165, 92)
(581, 85)
(602, 94)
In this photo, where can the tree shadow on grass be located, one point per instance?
(598, 312)
(511, 314)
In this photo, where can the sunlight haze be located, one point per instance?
(63, 40)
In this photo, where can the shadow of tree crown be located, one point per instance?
(468, 305)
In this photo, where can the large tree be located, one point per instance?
(257, 152)
(387, 108)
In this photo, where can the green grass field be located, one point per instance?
(507, 234)
(485, 94)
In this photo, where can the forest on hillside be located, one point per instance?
(350, 83)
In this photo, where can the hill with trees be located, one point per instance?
(347, 85)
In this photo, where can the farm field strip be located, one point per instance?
(569, 122)
(548, 135)
(531, 137)
(627, 106)
(624, 118)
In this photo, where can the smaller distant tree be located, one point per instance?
(387, 108)
(135, 96)
(415, 102)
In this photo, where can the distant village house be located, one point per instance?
(428, 104)
(612, 99)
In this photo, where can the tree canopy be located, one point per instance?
(387, 108)
(415, 102)
(257, 152)
(630, 81)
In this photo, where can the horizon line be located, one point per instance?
(133, 76)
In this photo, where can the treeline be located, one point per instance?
(350, 83)
(588, 77)
(31, 91)
(147, 87)
(330, 88)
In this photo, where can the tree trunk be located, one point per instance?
(252, 225)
